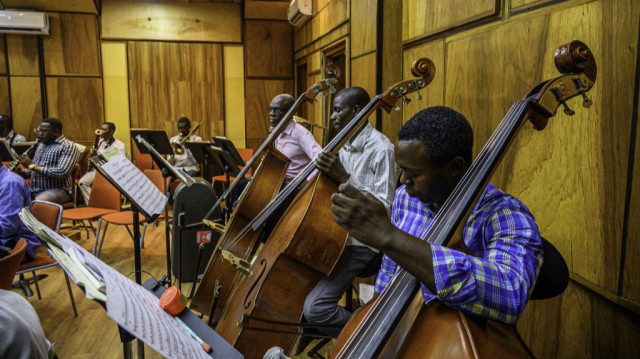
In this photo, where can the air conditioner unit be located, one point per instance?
(299, 12)
(24, 22)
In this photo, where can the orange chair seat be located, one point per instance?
(122, 218)
(223, 178)
(79, 214)
(38, 262)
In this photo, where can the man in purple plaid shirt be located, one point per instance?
(433, 151)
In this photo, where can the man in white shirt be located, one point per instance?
(185, 161)
(106, 142)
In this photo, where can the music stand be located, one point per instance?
(6, 154)
(21, 147)
(196, 148)
(229, 165)
(228, 146)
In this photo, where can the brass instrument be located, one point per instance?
(302, 121)
(98, 133)
(29, 152)
(178, 148)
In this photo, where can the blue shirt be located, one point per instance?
(506, 254)
(14, 195)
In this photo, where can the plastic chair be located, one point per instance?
(50, 214)
(9, 264)
(126, 218)
(246, 154)
(104, 199)
(144, 161)
(75, 177)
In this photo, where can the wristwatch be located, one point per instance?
(31, 166)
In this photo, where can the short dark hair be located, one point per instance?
(444, 133)
(7, 119)
(184, 120)
(53, 122)
(111, 126)
(355, 96)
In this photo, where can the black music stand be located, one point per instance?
(6, 155)
(200, 155)
(160, 142)
(229, 165)
(228, 146)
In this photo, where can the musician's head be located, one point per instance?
(279, 107)
(433, 151)
(184, 126)
(347, 104)
(6, 125)
(108, 129)
(50, 129)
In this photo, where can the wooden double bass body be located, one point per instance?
(304, 246)
(397, 323)
(220, 275)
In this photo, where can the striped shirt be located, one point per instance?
(370, 161)
(57, 160)
(506, 254)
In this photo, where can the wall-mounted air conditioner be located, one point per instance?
(299, 12)
(24, 22)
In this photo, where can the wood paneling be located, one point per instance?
(579, 324)
(4, 96)
(331, 38)
(259, 94)
(78, 103)
(169, 80)
(268, 49)
(22, 51)
(363, 74)
(570, 149)
(391, 62)
(172, 20)
(330, 17)
(426, 17)
(3, 62)
(273, 10)
(26, 105)
(48, 5)
(363, 26)
(631, 288)
(517, 5)
(433, 94)
(72, 48)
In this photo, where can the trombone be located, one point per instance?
(178, 148)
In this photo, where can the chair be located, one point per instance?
(144, 161)
(104, 199)
(50, 214)
(9, 264)
(75, 178)
(246, 154)
(126, 218)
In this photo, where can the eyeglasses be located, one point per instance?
(276, 109)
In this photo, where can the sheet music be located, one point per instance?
(141, 190)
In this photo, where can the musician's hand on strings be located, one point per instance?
(331, 166)
(362, 215)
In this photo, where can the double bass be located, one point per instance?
(304, 246)
(237, 242)
(397, 323)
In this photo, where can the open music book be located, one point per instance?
(130, 305)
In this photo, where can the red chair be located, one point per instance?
(9, 264)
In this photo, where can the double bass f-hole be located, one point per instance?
(248, 299)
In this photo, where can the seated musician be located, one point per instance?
(51, 167)
(185, 162)
(366, 162)
(15, 195)
(6, 131)
(433, 152)
(106, 142)
(295, 142)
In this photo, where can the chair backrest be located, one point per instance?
(144, 161)
(75, 177)
(156, 177)
(553, 278)
(9, 264)
(103, 194)
(246, 154)
(49, 213)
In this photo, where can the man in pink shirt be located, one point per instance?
(295, 142)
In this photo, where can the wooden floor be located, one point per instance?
(92, 334)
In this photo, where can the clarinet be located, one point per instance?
(29, 152)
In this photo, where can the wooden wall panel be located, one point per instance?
(517, 5)
(571, 149)
(87, 6)
(22, 51)
(426, 17)
(27, 105)
(4, 95)
(363, 74)
(328, 18)
(259, 94)
(363, 26)
(579, 324)
(630, 288)
(273, 10)
(73, 46)
(78, 103)
(172, 21)
(391, 61)
(169, 80)
(433, 94)
(268, 49)
(3, 62)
